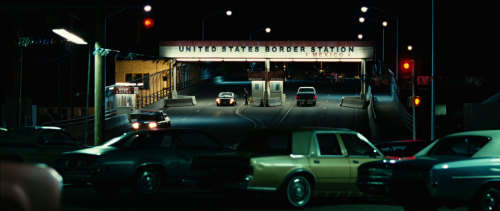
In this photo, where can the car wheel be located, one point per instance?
(297, 191)
(314, 103)
(298, 104)
(147, 181)
(486, 199)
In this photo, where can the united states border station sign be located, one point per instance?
(259, 50)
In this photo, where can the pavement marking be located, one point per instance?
(244, 117)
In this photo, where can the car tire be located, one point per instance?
(148, 181)
(298, 104)
(486, 199)
(314, 104)
(297, 191)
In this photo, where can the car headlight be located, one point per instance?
(217, 100)
(153, 125)
(231, 101)
(135, 125)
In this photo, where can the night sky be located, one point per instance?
(465, 32)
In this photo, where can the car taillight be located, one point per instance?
(153, 125)
(296, 97)
(315, 97)
(135, 125)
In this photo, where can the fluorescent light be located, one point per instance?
(69, 36)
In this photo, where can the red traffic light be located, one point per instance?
(407, 66)
(148, 22)
(417, 101)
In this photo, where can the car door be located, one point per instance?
(359, 151)
(151, 148)
(330, 165)
(191, 144)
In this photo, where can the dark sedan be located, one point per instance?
(461, 168)
(150, 119)
(226, 98)
(144, 160)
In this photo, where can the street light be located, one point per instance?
(266, 29)
(365, 9)
(69, 36)
(228, 13)
(360, 36)
(384, 24)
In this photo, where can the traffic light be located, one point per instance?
(148, 22)
(414, 101)
(407, 67)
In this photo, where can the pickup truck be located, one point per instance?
(306, 95)
(294, 163)
(39, 144)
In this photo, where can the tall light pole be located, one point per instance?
(266, 29)
(396, 66)
(384, 24)
(228, 13)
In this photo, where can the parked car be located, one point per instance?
(306, 95)
(293, 163)
(40, 144)
(226, 98)
(144, 160)
(402, 149)
(34, 187)
(457, 169)
(150, 119)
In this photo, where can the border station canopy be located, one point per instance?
(275, 51)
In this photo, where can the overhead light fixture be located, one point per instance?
(69, 36)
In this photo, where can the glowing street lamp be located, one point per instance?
(69, 36)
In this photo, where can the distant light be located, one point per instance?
(360, 36)
(361, 19)
(147, 8)
(229, 13)
(384, 23)
(364, 9)
(410, 48)
(69, 36)
(148, 22)
(268, 30)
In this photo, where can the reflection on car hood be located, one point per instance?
(422, 162)
(99, 150)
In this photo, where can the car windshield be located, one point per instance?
(306, 90)
(226, 94)
(121, 141)
(459, 146)
(149, 117)
(272, 143)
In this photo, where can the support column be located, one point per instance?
(266, 83)
(363, 80)
(99, 79)
(174, 85)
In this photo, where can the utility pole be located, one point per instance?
(99, 77)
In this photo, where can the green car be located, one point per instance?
(294, 163)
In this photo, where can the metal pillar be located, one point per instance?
(99, 79)
(266, 82)
(174, 85)
(363, 80)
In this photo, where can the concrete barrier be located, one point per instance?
(256, 101)
(182, 100)
(274, 101)
(354, 102)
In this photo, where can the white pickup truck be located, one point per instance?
(306, 95)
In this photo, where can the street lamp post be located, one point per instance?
(365, 9)
(228, 13)
(266, 29)
(384, 24)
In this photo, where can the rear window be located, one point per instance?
(459, 146)
(267, 142)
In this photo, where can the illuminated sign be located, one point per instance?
(257, 50)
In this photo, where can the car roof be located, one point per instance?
(490, 149)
